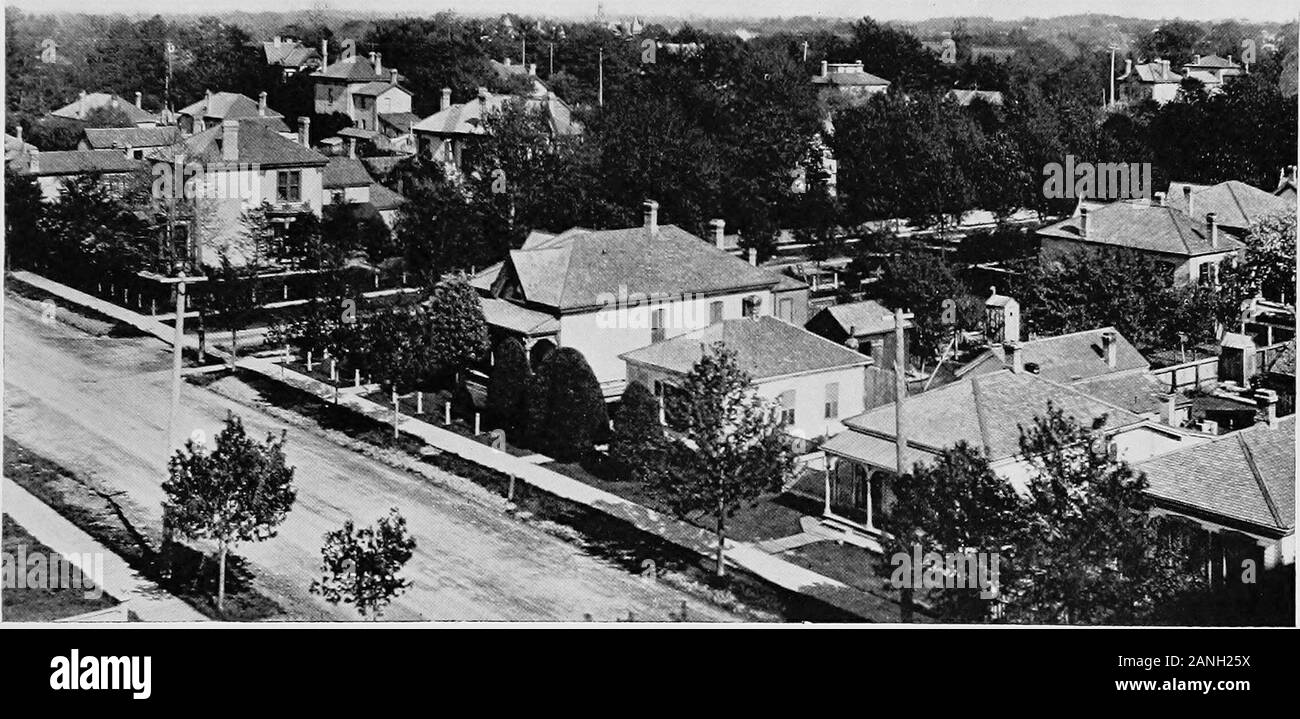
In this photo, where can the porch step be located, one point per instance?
(839, 530)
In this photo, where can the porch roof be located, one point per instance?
(521, 320)
(875, 451)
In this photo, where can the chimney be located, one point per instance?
(508, 62)
(261, 103)
(1171, 410)
(446, 99)
(276, 41)
(1015, 356)
(483, 95)
(379, 63)
(1109, 348)
(324, 52)
(532, 69)
(825, 68)
(753, 257)
(372, 57)
(1083, 222)
(392, 75)
(352, 147)
(1196, 60)
(651, 216)
(1128, 67)
(1267, 401)
(1164, 64)
(33, 160)
(1159, 200)
(1212, 224)
(304, 131)
(230, 141)
(718, 228)
(81, 104)
(139, 99)
(18, 132)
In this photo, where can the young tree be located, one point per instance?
(238, 492)
(458, 336)
(732, 450)
(566, 408)
(231, 295)
(956, 503)
(508, 385)
(638, 445)
(362, 566)
(396, 347)
(1089, 553)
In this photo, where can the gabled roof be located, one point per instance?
(1156, 72)
(1078, 355)
(383, 198)
(258, 144)
(867, 317)
(77, 109)
(1246, 476)
(345, 172)
(510, 316)
(965, 97)
(400, 121)
(289, 53)
(227, 106)
(1213, 61)
(15, 147)
(79, 162)
(1234, 203)
(580, 268)
(1143, 226)
(378, 87)
(105, 138)
(765, 348)
(467, 118)
(987, 411)
(850, 78)
(353, 69)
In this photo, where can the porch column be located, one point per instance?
(826, 492)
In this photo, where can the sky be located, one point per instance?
(1276, 10)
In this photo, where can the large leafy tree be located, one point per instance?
(238, 492)
(921, 282)
(458, 335)
(566, 409)
(363, 566)
(638, 445)
(732, 449)
(25, 246)
(508, 384)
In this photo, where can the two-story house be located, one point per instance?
(347, 180)
(79, 110)
(1234, 203)
(1148, 81)
(607, 292)
(130, 141)
(290, 56)
(444, 135)
(54, 169)
(362, 89)
(1212, 71)
(217, 107)
(1192, 249)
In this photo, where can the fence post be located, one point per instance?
(476, 423)
(446, 413)
(396, 413)
(356, 378)
(419, 402)
(309, 360)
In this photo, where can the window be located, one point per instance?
(1207, 274)
(656, 325)
(715, 312)
(785, 309)
(753, 304)
(288, 186)
(833, 400)
(785, 405)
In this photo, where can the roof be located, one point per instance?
(1213, 61)
(765, 348)
(77, 109)
(1247, 476)
(227, 106)
(15, 147)
(1234, 203)
(383, 198)
(258, 144)
(1284, 361)
(988, 410)
(402, 121)
(378, 87)
(1138, 392)
(289, 53)
(354, 69)
(82, 162)
(510, 316)
(580, 268)
(1145, 227)
(345, 172)
(965, 97)
(1078, 355)
(850, 78)
(466, 118)
(104, 138)
(865, 318)
(1156, 72)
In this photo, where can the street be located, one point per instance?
(98, 407)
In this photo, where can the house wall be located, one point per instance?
(220, 225)
(333, 97)
(1184, 269)
(350, 194)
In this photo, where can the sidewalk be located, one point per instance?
(747, 556)
(142, 597)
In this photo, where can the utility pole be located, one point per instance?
(1113, 48)
(805, 51)
(180, 280)
(600, 88)
(550, 65)
(900, 436)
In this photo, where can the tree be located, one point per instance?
(231, 295)
(507, 389)
(458, 336)
(956, 503)
(637, 446)
(361, 566)
(732, 448)
(921, 282)
(24, 209)
(1089, 554)
(566, 408)
(240, 492)
(396, 347)
(1269, 265)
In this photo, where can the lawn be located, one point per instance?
(32, 604)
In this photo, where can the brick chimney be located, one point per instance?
(446, 99)
(139, 99)
(324, 52)
(230, 140)
(261, 103)
(33, 160)
(825, 68)
(379, 63)
(717, 228)
(483, 95)
(81, 104)
(651, 216)
(532, 69)
(1171, 410)
(1187, 200)
(753, 257)
(372, 57)
(1015, 356)
(1159, 199)
(1266, 399)
(1110, 348)
(1212, 224)
(352, 147)
(392, 75)
(304, 131)
(1083, 222)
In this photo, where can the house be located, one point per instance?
(346, 179)
(847, 83)
(362, 89)
(238, 166)
(1148, 81)
(966, 97)
(813, 382)
(507, 72)
(1212, 71)
(130, 141)
(80, 109)
(53, 170)
(1238, 488)
(985, 411)
(444, 134)
(217, 107)
(16, 147)
(1191, 249)
(607, 292)
(866, 326)
(1234, 204)
(290, 56)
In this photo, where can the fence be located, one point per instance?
(1188, 375)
